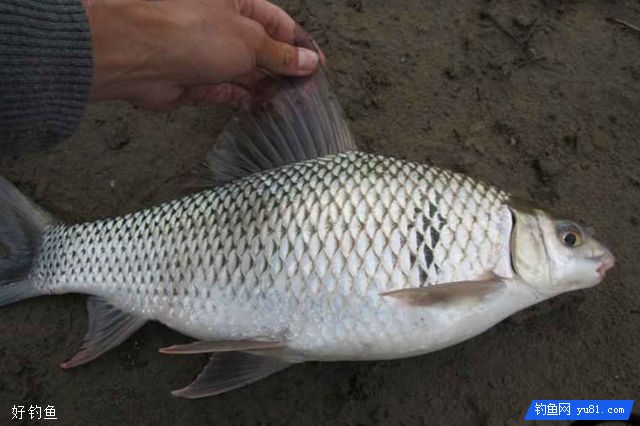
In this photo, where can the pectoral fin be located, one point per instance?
(447, 292)
(230, 370)
(222, 346)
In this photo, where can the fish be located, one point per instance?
(300, 247)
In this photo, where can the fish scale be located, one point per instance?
(298, 239)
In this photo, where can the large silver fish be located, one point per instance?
(304, 248)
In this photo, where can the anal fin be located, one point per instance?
(108, 327)
(447, 292)
(231, 370)
(222, 346)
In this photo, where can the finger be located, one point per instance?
(285, 59)
(224, 93)
(276, 22)
(301, 38)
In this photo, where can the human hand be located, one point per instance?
(163, 53)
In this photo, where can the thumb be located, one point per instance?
(283, 58)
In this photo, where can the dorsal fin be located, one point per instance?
(289, 120)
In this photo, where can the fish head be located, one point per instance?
(554, 255)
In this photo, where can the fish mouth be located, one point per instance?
(608, 262)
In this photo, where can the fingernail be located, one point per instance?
(307, 60)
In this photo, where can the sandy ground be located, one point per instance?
(540, 98)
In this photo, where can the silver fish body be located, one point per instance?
(301, 253)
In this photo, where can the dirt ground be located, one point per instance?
(540, 98)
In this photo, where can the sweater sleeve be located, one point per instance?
(45, 71)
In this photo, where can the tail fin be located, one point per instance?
(22, 224)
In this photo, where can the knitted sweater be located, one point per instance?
(45, 71)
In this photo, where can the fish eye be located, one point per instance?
(569, 234)
(571, 239)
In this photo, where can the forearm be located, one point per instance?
(45, 71)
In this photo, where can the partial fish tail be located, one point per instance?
(22, 225)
